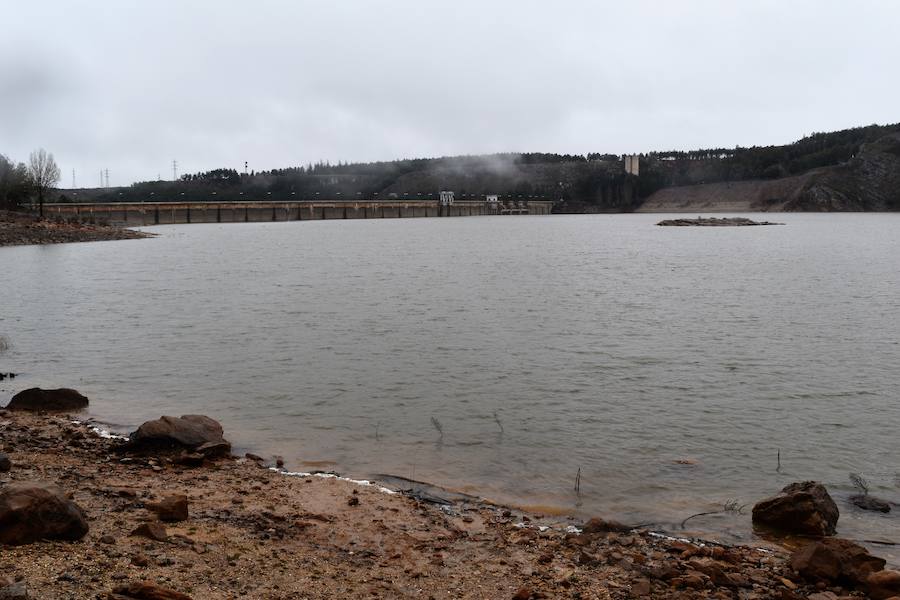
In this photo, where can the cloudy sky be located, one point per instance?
(133, 85)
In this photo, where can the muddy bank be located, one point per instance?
(18, 229)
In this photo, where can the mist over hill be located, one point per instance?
(851, 169)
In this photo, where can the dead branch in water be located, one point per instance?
(578, 482)
(438, 426)
(778, 468)
(497, 421)
(860, 483)
(731, 506)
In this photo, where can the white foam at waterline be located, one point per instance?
(103, 433)
(360, 482)
(699, 543)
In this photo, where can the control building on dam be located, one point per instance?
(165, 213)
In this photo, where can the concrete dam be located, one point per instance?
(167, 213)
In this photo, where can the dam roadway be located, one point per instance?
(166, 213)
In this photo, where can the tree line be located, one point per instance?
(592, 181)
(21, 182)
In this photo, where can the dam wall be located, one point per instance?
(168, 213)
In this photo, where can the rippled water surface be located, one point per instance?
(599, 342)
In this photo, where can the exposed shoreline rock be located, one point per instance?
(714, 222)
(196, 433)
(37, 399)
(31, 511)
(803, 508)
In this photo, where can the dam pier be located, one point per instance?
(167, 213)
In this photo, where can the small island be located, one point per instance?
(714, 222)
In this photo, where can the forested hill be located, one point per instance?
(849, 163)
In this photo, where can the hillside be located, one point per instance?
(852, 169)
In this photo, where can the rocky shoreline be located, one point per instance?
(169, 513)
(18, 229)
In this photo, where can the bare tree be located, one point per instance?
(44, 173)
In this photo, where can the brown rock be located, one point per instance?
(883, 584)
(191, 459)
(5, 463)
(598, 525)
(31, 511)
(214, 449)
(802, 508)
(36, 399)
(738, 580)
(153, 531)
(523, 593)
(712, 570)
(171, 508)
(833, 560)
(139, 560)
(693, 580)
(146, 591)
(188, 431)
(687, 549)
(640, 588)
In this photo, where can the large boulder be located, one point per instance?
(189, 431)
(36, 399)
(835, 560)
(31, 511)
(801, 508)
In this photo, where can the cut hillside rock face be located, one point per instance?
(803, 508)
(197, 433)
(834, 560)
(31, 511)
(36, 399)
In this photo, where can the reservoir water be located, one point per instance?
(671, 366)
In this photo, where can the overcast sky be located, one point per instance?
(132, 85)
